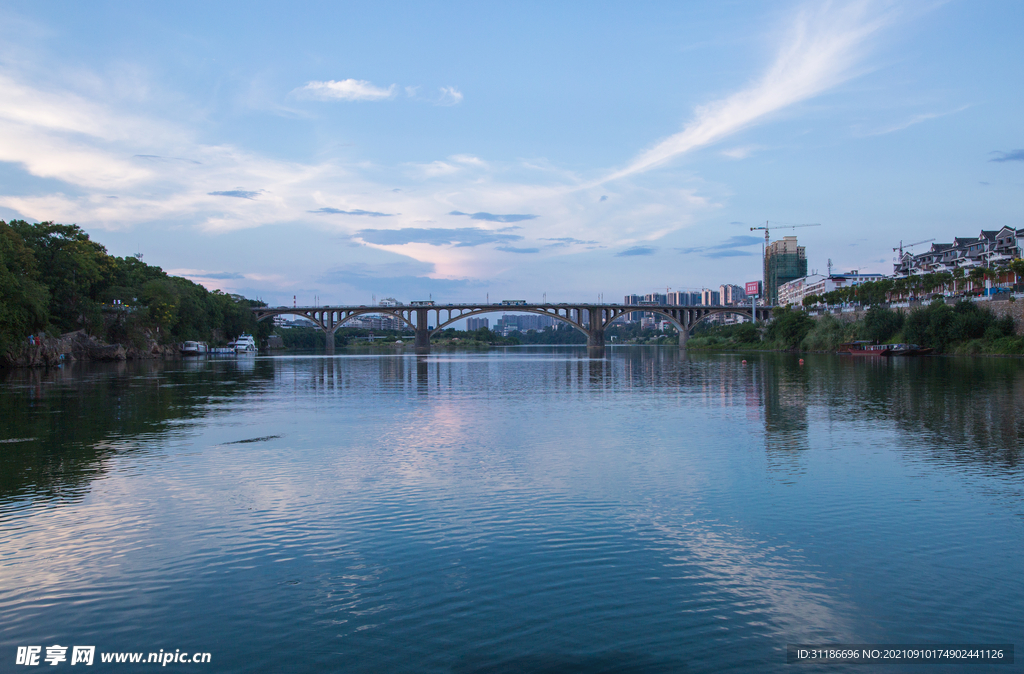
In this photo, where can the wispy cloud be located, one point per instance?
(450, 96)
(357, 211)
(202, 274)
(462, 237)
(637, 250)
(491, 217)
(156, 157)
(740, 152)
(241, 194)
(1012, 155)
(727, 253)
(566, 241)
(395, 279)
(725, 249)
(345, 90)
(820, 51)
(916, 119)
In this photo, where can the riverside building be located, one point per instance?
(784, 261)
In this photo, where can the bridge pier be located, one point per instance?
(684, 335)
(422, 343)
(595, 343)
(330, 340)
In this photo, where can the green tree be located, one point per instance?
(788, 327)
(881, 324)
(71, 266)
(23, 299)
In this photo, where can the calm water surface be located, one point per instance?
(525, 510)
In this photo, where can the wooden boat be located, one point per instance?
(864, 348)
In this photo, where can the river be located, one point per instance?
(520, 509)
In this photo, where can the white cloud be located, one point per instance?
(99, 151)
(916, 119)
(819, 52)
(450, 96)
(345, 90)
(740, 152)
(435, 169)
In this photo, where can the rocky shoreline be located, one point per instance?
(78, 346)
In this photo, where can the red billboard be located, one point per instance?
(753, 288)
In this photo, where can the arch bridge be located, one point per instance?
(590, 319)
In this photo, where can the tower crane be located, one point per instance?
(764, 257)
(909, 245)
(768, 225)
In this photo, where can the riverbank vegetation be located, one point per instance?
(314, 338)
(55, 279)
(958, 283)
(964, 328)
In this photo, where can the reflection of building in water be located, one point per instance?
(784, 396)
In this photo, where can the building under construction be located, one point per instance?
(784, 261)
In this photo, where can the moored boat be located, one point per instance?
(244, 344)
(191, 348)
(909, 350)
(864, 348)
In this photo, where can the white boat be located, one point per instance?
(191, 348)
(244, 344)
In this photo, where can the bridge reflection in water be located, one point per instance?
(590, 319)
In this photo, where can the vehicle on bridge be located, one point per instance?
(421, 303)
(513, 303)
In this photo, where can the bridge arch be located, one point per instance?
(718, 312)
(505, 309)
(345, 316)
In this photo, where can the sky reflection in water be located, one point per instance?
(528, 509)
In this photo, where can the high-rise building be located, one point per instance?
(633, 300)
(710, 297)
(523, 323)
(684, 298)
(477, 323)
(784, 261)
(732, 294)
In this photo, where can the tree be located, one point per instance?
(881, 324)
(23, 299)
(958, 274)
(71, 265)
(976, 275)
(788, 327)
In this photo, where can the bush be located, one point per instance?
(827, 334)
(788, 328)
(881, 324)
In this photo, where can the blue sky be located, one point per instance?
(343, 151)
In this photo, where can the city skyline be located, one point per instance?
(461, 151)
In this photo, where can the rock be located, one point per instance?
(77, 345)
